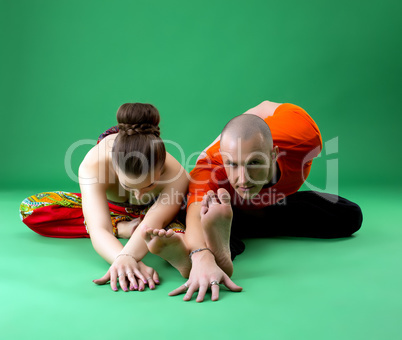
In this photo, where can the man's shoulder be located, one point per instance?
(286, 109)
(291, 126)
(212, 154)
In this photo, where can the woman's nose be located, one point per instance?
(137, 194)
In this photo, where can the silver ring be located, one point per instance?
(121, 275)
(185, 285)
(150, 278)
(214, 283)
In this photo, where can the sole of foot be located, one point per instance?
(216, 221)
(169, 246)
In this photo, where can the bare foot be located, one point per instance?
(216, 220)
(169, 246)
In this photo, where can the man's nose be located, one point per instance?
(242, 175)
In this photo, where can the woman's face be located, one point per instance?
(140, 186)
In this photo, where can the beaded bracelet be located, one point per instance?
(196, 251)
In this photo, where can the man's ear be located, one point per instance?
(274, 153)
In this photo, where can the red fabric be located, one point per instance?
(64, 222)
(294, 132)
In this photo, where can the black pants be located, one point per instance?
(303, 214)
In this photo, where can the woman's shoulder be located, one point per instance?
(172, 167)
(98, 156)
(171, 162)
(106, 144)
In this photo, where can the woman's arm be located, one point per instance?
(97, 217)
(164, 209)
(96, 211)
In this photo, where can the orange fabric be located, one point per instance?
(297, 136)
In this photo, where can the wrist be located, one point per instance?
(199, 255)
(125, 254)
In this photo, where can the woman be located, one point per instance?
(128, 183)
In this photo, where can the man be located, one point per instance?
(245, 185)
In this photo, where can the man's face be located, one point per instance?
(248, 164)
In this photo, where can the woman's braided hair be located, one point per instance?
(138, 147)
(144, 129)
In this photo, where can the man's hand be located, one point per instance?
(205, 271)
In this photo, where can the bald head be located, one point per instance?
(245, 127)
(248, 154)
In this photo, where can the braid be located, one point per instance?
(138, 135)
(139, 129)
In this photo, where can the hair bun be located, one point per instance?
(138, 119)
(139, 129)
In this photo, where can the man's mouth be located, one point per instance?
(246, 188)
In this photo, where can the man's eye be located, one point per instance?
(254, 163)
(232, 164)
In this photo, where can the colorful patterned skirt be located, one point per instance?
(59, 214)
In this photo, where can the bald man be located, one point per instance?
(245, 184)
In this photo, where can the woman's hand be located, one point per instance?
(126, 228)
(130, 274)
(150, 274)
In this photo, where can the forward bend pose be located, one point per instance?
(245, 184)
(127, 181)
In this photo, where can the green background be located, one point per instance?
(66, 66)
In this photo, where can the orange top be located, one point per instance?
(299, 141)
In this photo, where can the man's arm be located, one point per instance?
(194, 234)
(263, 110)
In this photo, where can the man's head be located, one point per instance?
(248, 154)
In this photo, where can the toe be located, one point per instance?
(212, 197)
(169, 233)
(224, 196)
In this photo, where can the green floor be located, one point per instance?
(293, 288)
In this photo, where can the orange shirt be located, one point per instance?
(299, 141)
